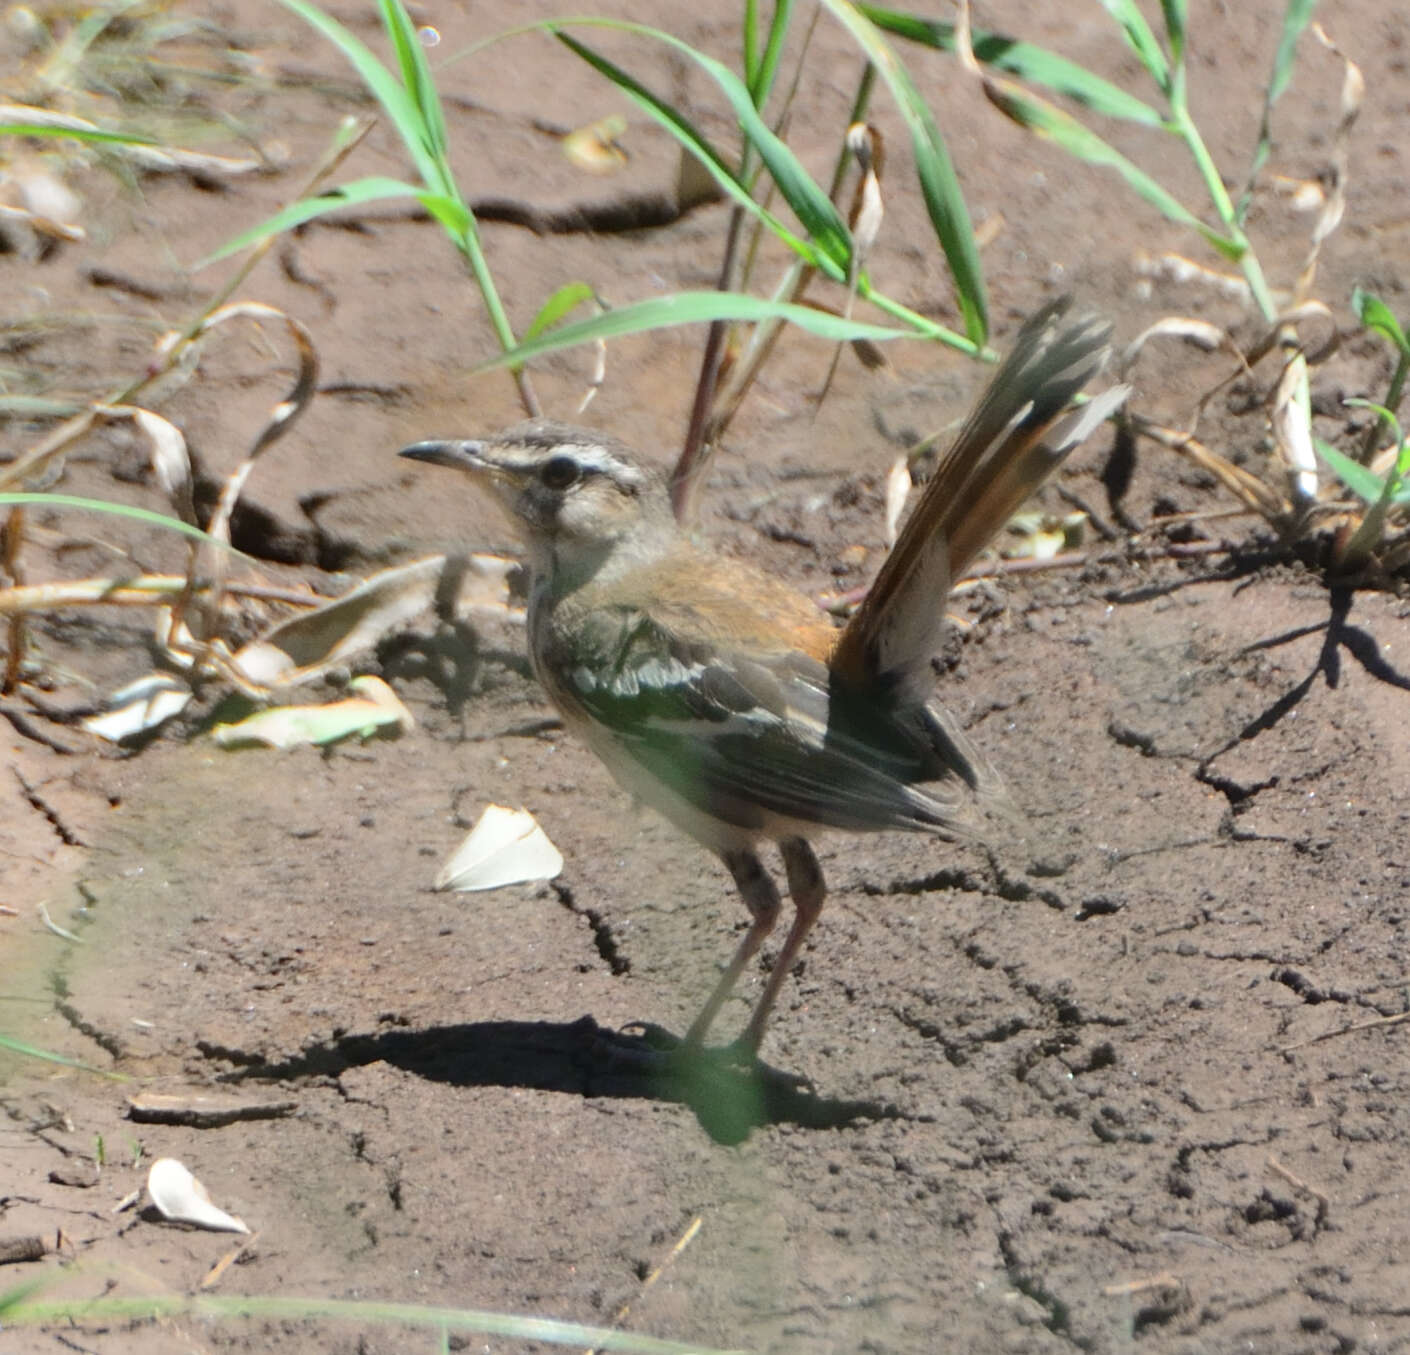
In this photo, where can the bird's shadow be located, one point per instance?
(729, 1097)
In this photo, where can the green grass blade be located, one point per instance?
(1382, 412)
(1140, 38)
(938, 184)
(373, 189)
(396, 102)
(1036, 65)
(750, 50)
(121, 510)
(762, 82)
(38, 406)
(12, 1297)
(684, 308)
(1375, 315)
(806, 198)
(1053, 124)
(20, 1310)
(1362, 481)
(808, 201)
(1296, 18)
(566, 298)
(421, 86)
(30, 1051)
(1174, 12)
(415, 110)
(831, 244)
(75, 134)
(450, 211)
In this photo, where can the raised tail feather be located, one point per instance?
(1016, 436)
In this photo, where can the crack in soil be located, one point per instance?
(603, 937)
(1238, 793)
(1059, 1313)
(56, 822)
(106, 1041)
(1307, 990)
(998, 881)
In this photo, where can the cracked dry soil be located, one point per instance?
(1145, 1088)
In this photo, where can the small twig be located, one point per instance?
(685, 1239)
(797, 279)
(11, 535)
(1075, 559)
(212, 1276)
(1297, 1183)
(127, 1201)
(695, 455)
(1029, 564)
(147, 590)
(1255, 494)
(54, 926)
(1378, 1023)
(1165, 1280)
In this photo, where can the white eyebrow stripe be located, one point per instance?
(600, 459)
(592, 457)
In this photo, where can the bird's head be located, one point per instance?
(574, 493)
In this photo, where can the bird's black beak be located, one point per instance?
(461, 454)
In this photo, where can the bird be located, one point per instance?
(726, 699)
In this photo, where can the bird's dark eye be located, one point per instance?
(559, 472)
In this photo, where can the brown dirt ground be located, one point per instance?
(1083, 1107)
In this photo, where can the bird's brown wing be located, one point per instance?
(753, 739)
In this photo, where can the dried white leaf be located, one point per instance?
(1303, 195)
(174, 638)
(376, 706)
(139, 707)
(44, 195)
(506, 847)
(1175, 268)
(1292, 427)
(305, 645)
(1198, 332)
(898, 487)
(158, 159)
(171, 463)
(178, 1195)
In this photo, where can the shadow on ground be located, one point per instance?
(729, 1098)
